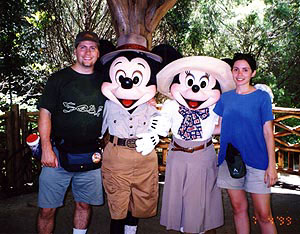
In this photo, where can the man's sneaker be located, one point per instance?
(130, 229)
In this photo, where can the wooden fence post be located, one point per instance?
(19, 179)
(27, 163)
(24, 126)
(10, 167)
(290, 162)
(280, 160)
(14, 147)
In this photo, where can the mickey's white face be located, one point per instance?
(128, 82)
(196, 89)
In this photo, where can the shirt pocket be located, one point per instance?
(141, 125)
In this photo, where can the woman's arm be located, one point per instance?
(271, 173)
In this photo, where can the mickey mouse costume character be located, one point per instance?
(130, 178)
(191, 203)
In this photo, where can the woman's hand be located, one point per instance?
(270, 176)
(271, 173)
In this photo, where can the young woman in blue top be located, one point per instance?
(246, 121)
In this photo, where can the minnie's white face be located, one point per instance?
(196, 89)
(128, 82)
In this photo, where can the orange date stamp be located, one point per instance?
(279, 220)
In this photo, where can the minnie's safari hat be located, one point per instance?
(219, 69)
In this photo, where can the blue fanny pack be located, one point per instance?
(73, 162)
(77, 162)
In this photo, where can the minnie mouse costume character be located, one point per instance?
(130, 177)
(191, 202)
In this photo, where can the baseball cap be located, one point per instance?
(86, 36)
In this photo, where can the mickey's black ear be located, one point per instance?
(105, 46)
(167, 52)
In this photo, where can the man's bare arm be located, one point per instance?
(49, 158)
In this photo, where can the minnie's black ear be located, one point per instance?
(228, 61)
(167, 52)
(105, 46)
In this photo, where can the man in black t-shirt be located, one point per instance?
(71, 110)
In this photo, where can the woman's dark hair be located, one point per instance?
(248, 57)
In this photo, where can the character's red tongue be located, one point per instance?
(126, 102)
(193, 104)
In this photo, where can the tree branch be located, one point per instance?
(119, 13)
(156, 11)
(137, 15)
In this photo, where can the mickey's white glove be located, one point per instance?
(159, 125)
(146, 142)
(265, 88)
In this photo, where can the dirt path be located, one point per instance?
(18, 215)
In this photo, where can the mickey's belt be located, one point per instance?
(128, 142)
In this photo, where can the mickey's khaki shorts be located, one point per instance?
(252, 182)
(130, 181)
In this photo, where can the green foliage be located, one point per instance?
(37, 38)
(175, 25)
(282, 53)
(20, 44)
(65, 18)
(40, 19)
(270, 30)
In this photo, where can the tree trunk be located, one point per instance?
(138, 16)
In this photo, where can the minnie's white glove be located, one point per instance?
(159, 125)
(146, 142)
(265, 88)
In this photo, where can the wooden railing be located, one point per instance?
(18, 168)
(287, 139)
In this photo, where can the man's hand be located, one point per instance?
(49, 158)
(146, 142)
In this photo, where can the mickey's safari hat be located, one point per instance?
(219, 69)
(131, 42)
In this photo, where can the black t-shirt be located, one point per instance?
(76, 105)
